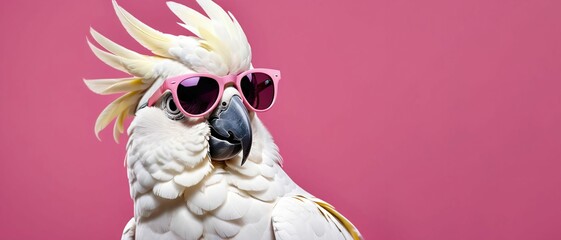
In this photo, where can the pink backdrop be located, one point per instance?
(416, 119)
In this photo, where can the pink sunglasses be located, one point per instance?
(198, 94)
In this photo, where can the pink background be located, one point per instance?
(416, 119)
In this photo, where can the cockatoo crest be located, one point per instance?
(220, 47)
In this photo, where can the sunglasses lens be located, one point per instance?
(258, 89)
(197, 94)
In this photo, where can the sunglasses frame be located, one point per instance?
(172, 84)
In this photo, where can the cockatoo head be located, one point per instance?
(229, 131)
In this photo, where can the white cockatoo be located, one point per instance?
(187, 181)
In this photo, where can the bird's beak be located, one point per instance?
(230, 132)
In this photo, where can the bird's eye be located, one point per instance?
(171, 110)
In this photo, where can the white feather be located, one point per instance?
(168, 190)
(233, 208)
(270, 194)
(217, 227)
(190, 178)
(195, 209)
(258, 183)
(185, 225)
(114, 47)
(118, 85)
(145, 204)
(129, 231)
(154, 40)
(192, 19)
(208, 197)
(249, 169)
(300, 218)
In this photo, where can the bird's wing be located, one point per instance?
(300, 217)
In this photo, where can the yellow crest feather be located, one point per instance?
(220, 47)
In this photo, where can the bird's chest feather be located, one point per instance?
(215, 208)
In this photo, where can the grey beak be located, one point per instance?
(231, 132)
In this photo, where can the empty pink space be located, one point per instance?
(415, 119)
